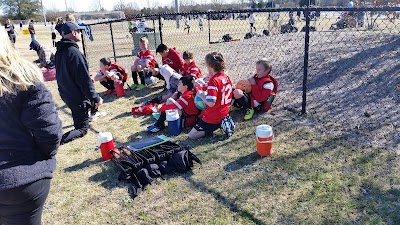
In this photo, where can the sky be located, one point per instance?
(85, 5)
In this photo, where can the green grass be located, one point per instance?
(313, 177)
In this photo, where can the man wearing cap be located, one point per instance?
(74, 82)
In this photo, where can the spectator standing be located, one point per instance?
(10, 31)
(275, 18)
(142, 26)
(53, 33)
(30, 133)
(187, 25)
(31, 29)
(20, 25)
(74, 83)
(200, 19)
(252, 20)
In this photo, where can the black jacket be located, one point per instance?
(72, 73)
(30, 133)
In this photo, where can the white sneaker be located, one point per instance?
(95, 116)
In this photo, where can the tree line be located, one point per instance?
(31, 9)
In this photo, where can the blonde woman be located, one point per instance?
(30, 133)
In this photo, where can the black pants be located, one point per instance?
(80, 115)
(24, 205)
(109, 84)
(141, 75)
(161, 121)
(243, 102)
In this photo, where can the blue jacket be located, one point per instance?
(30, 133)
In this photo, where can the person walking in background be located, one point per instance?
(252, 20)
(200, 19)
(10, 31)
(142, 26)
(275, 18)
(187, 25)
(74, 83)
(30, 134)
(20, 25)
(53, 33)
(31, 29)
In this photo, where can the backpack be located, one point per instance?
(122, 73)
(227, 38)
(181, 161)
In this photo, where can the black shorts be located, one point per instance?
(208, 128)
(53, 36)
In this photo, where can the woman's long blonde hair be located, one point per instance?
(16, 73)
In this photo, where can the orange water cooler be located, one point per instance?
(265, 137)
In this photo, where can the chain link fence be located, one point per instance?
(328, 59)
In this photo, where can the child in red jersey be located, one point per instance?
(170, 57)
(264, 87)
(185, 103)
(109, 72)
(218, 98)
(145, 60)
(190, 67)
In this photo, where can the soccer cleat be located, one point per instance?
(228, 126)
(134, 86)
(95, 116)
(154, 129)
(249, 114)
(140, 87)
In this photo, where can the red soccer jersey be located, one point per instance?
(186, 104)
(192, 69)
(149, 56)
(219, 90)
(174, 60)
(261, 91)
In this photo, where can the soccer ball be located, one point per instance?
(244, 85)
(200, 104)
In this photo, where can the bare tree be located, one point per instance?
(120, 5)
(96, 5)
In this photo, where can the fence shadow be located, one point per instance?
(230, 204)
(84, 164)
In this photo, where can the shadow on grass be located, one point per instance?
(381, 205)
(224, 201)
(108, 177)
(82, 165)
(122, 115)
(242, 162)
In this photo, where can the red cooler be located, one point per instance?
(106, 143)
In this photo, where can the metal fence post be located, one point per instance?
(160, 28)
(209, 28)
(113, 45)
(306, 13)
(154, 32)
(83, 45)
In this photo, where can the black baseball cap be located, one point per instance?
(70, 26)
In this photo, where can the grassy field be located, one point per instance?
(315, 176)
